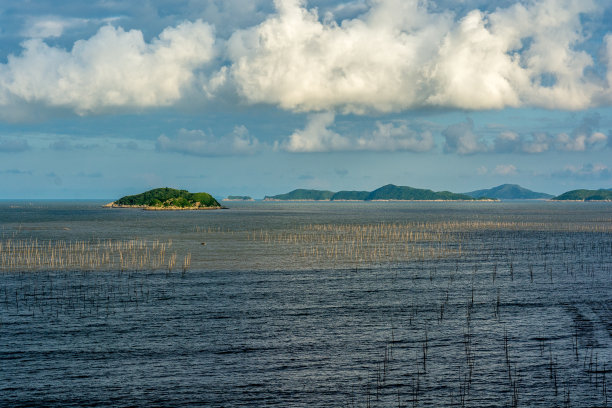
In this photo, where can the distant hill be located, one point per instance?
(393, 192)
(388, 192)
(302, 195)
(350, 196)
(586, 195)
(167, 199)
(238, 198)
(509, 192)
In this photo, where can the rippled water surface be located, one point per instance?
(307, 304)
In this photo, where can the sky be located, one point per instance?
(106, 98)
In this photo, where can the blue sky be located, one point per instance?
(101, 99)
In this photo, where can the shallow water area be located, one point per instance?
(308, 304)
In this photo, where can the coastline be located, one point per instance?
(169, 208)
(580, 201)
(305, 199)
(385, 200)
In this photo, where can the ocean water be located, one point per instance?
(307, 304)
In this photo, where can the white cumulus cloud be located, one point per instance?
(580, 142)
(48, 27)
(512, 142)
(113, 68)
(300, 63)
(505, 170)
(316, 137)
(359, 56)
(401, 55)
(392, 136)
(396, 136)
(461, 138)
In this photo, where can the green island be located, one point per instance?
(586, 195)
(302, 195)
(238, 198)
(509, 192)
(167, 199)
(389, 192)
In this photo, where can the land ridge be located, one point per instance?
(389, 192)
(585, 195)
(509, 192)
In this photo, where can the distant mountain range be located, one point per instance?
(389, 192)
(586, 195)
(509, 192)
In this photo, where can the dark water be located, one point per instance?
(521, 316)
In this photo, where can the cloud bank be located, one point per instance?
(200, 143)
(461, 138)
(395, 55)
(392, 136)
(588, 171)
(400, 55)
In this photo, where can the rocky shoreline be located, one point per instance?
(168, 208)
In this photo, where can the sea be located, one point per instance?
(306, 304)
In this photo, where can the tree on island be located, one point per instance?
(165, 197)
